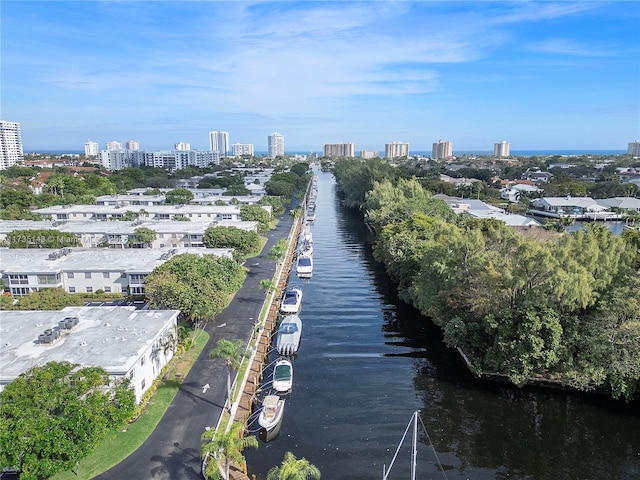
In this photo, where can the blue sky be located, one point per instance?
(539, 74)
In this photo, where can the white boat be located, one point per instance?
(282, 379)
(304, 267)
(306, 249)
(270, 418)
(291, 300)
(289, 334)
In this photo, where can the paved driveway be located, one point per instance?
(172, 451)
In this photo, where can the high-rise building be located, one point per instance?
(10, 144)
(238, 149)
(501, 150)
(442, 150)
(339, 150)
(91, 148)
(396, 150)
(634, 148)
(114, 146)
(219, 142)
(182, 146)
(132, 145)
(276, 144)
(368, 153)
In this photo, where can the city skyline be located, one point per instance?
(543, 75)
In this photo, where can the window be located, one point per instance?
(69, 274)
(89, 289)
(105, 274)
(19, 291)
(131, 373)
(47, 279)
(19, 279)
(107, 289)
(142, 362)
(137, 290)
(142, 384)
(72, 289)
(87, 274)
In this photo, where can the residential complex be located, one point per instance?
(275, 142)
(368, 154)
(182, 146)
(238, 149)
(87, 270)
(91, 148)
(219, 142)
(442, 150)
(133, 145)
(339, 150)
(165, 159)
(634, 148)
(501, 150)
(113, 145)
(127, 343)
(396, 150)
(10, 144)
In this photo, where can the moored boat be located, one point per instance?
(289, 334)
(282, 379)
(304, 266)
(291, 300)
(270, 418)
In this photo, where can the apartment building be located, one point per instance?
(10, 144)
(86, 270)
(127, 343)
(396, 150)
(339, 150)
(442, 150)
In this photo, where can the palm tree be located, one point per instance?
(229, 444)
(232, 353)
(294, 469)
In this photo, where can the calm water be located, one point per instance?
(367, 362)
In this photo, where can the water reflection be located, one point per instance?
(368, 361)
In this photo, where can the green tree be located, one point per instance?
(294, 469)
(20, 197)
(232, 353)
(229, 444)
(242, 241)
(48, 299)
(255, 213)
(179, 196)
(53, 415)
(189, 282)
(143, 236)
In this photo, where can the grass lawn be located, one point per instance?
(118, 445)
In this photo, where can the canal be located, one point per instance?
(367, 362)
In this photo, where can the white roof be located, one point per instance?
(513, 220)
(628, 203)
(586, 203)
(128, 260)
(109, 337)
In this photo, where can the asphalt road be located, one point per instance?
(172, 451)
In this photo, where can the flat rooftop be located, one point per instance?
(136, 260)
(109, 337)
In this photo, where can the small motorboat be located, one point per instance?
(270, 418)
(304, 267)
(282, 376)
(289, 334)
(291, 301)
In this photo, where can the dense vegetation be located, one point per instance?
(243, 242)
(52, 416)
(559, 306)
(198, 286)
